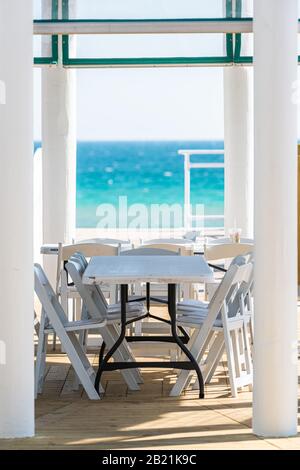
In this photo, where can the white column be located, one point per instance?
(16, 215)
(275, 117)
(37, 205)
(59, 152)
(238, 140)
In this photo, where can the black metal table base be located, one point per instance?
(186, 365)
(191, 364)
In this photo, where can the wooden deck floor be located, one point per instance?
(147, 419)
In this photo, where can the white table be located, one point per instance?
(161, 269)
(169, 270)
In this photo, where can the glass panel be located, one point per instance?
(246, 45)
(42, 46)
(136, 9)
(159, 45)
(37, 9)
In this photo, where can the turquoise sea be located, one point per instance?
(147, 172)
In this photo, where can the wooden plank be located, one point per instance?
(147, 419)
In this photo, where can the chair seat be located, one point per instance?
(196, 318)
(133, 309)
(88, 324)
(130, 308)
(191, 305)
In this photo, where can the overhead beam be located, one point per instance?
(173, 26)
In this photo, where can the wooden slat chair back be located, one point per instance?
(226, 251)
(54, 318)
(93, 298)
(63, 287)
(222, 252)
(223, 326)
(157, 290)
(168, 241)
(184, 290)
(105, 241)
(149, 251)
(181, 250)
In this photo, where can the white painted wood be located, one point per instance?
(275, 325)
(130, 269)
(223, 251)
(169, 241)
(16, 215)
(144, 27)
(238, 141)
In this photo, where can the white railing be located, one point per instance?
(188, 166)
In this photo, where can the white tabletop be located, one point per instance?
(162, 269)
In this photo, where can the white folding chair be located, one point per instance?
(168, 241)
(96, 307)
(185, 290)
(68, 291)
(105, 241)
(159, 291)
(54, 319)
(221, 326)
(222, 250)
(226, 241)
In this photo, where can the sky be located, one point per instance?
(145, 104)
(151, 103)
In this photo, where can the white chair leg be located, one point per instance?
(230, 362)
(80, 363)
(212, 359)
(40, 364)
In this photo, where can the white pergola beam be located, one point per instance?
(142, 27)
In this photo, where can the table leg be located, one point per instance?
(148, 297)
(172, 313)
(104, 361)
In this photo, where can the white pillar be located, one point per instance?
(37, 205)
(275, 117)
(59, 152)
(238, 140)
(16, 215)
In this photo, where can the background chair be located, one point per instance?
(219, 255)
(66, 290)
(222, 325)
